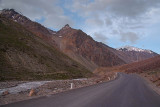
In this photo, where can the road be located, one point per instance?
(126, 91)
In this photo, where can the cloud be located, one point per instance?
(125, 19)
(124, 8)
(95, 21)
(38, 9)
(100, 37)
(137, 27)
(129, 36)
(127, 16)
(108, 22)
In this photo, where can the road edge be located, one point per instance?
(151, 85)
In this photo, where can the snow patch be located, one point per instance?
(131, 48)
(80, 79)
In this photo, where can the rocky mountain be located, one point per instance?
(81, 47)
(36, 28)
(77, 44)
(131, 48)
(26, 56)
(132, 54)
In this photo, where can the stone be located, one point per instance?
(32, 92)
(5, 93)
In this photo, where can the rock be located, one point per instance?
(32, 92)
(5, 93)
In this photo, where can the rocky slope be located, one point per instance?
(85, 50)
(24, 56)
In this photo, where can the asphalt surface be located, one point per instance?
(126, 91)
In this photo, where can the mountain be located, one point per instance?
(26, 56)
(36, 28)
(131, 48)
(131, 54)
(77, 44)
(81, 47)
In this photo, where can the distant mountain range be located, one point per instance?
(76, 44)
(132, 54)
(131, 48)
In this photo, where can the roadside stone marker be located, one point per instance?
(72, 85)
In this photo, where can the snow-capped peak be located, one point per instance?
(131, 48)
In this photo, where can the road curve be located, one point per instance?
(126, 91)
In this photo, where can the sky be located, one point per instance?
(115, 23)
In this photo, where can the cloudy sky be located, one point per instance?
(114, 22)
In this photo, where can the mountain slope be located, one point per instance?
(36, 28)
(79, 45)
(143, 66)
(24, 56)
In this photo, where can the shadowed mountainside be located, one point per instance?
(24, 56)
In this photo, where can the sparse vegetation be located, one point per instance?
(24, 56)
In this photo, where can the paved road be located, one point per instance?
(125, 91)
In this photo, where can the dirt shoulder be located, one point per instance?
(152, 84)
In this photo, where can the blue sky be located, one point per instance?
(114, 22)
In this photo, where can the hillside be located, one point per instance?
(143, 66)
(24, 56)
